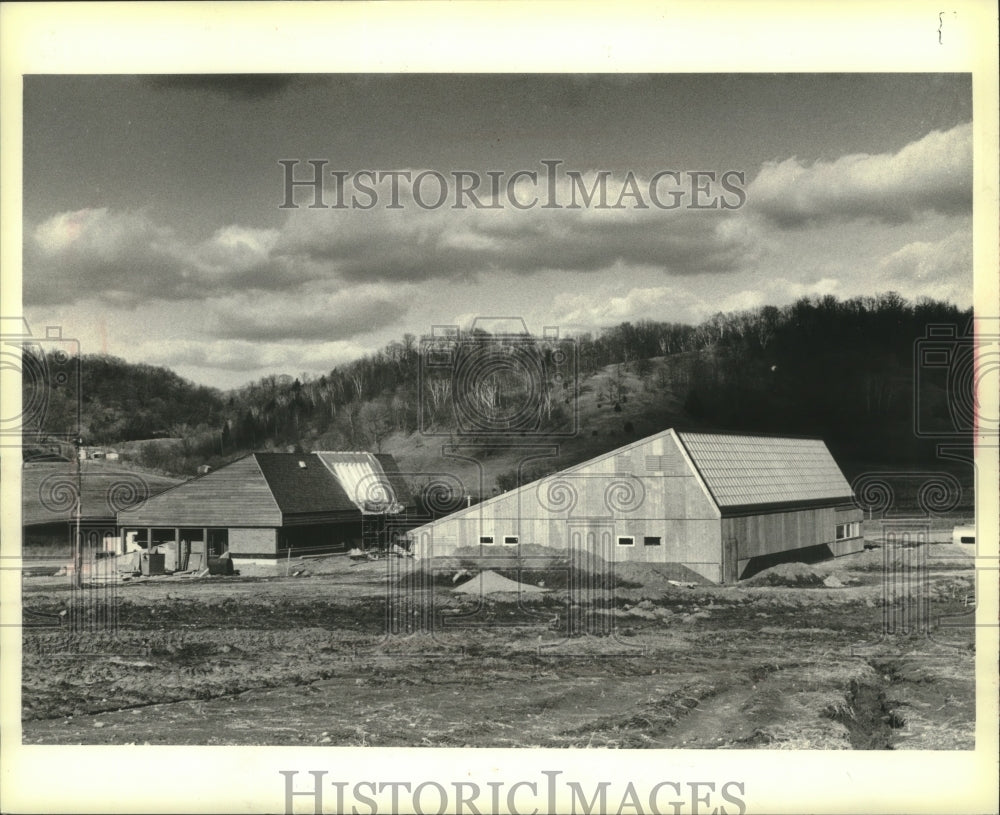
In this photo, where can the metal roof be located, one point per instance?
(746, 471)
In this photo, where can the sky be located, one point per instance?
(154, 226)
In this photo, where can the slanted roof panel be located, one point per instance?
(759, 470)
(365, 482)
(392, 472)
(301, 484)
(234, 495)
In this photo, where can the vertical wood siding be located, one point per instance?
(767, 534)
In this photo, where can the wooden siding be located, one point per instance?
(234, 494)
(253, 542)
(766, 534)
(847, 547)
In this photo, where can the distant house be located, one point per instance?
(263, 505)
(721, 505)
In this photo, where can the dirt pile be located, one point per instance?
(662, 577)
(794, 575)
(556, 568)
(538, 566)
(490, 582)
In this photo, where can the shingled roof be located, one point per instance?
(267, 489)
(744, 471)
(300, 483)
(48, 491)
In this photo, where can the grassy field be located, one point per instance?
(825, 656)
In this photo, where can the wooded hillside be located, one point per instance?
(844, 370)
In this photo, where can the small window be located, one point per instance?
(510, 540)
(650, 541)
(488, 539)
(845, 531)
(623, 541)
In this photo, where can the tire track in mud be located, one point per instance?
(769, 705)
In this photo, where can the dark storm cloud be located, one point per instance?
(233, 86)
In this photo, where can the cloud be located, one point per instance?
(128, 258)
(411, 243)
(121, 255)
(595, 309)
(939, 269)
(245, 357)
(310, 314)
(933, 174)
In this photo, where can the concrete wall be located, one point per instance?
(644, 490)
(252, 542)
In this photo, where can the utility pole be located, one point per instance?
(78, 517)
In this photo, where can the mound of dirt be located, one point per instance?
(489, 582)
(794, 575)
(658, 577)
(526, 555)
(543, 566)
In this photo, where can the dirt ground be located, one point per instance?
(836, 655)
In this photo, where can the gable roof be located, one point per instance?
(234, 495)
(745, 471)
(265, 489)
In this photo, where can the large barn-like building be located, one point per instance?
(264, 504)
(722, 505)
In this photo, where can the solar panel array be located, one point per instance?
(744, 470)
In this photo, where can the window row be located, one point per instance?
(489, 540)
(623, 540)
(629, 540)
